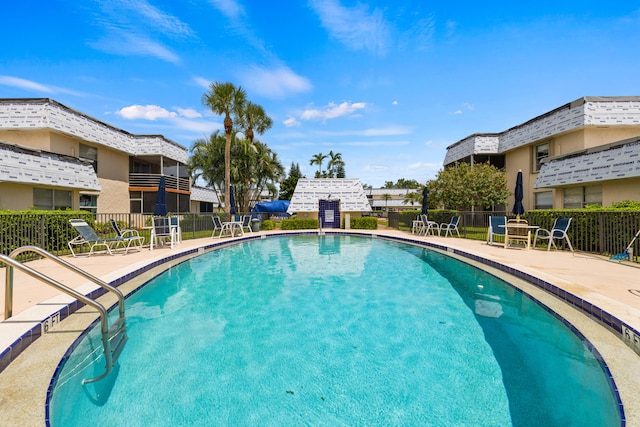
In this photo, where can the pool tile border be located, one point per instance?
(614, 324)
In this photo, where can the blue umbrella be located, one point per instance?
(232, 201)
(161, 199)
(425, 201)
(518, 208)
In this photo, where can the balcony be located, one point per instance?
(148, 180)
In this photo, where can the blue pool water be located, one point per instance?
(335, 330)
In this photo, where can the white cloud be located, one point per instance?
(229, 8)
(291, 121)
(332, 111)
(25, 84)
(156, 18)
(388, 131)
(201, 81)
(457, 112)
(394, 103)
(32, 86)
(146, 112)
(274, 83)
(132, 44)
(355, 27)
(377, 143)
(189, 113)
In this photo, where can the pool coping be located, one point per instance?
(62, 307)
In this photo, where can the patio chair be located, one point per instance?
(428, 226)
(558, 231)
(175, 224)
(217, 225)
(162, 231)
(246, 223)
(129, 239)
(451, 226)
(89, 237)
(495, 229)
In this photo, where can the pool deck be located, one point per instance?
(612, 286)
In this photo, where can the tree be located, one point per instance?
(207, 162)
(386, 197)
(335, 164)
(228, 100)
(288, 185)
(413, 198)
(253, 118)
(253, 167)
(463, 186)
(317, 159)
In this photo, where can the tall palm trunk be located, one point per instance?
(228, 128)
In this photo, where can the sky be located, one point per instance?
(389, 85)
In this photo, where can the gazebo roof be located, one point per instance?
(348, 190)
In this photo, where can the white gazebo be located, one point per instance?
(348, 191)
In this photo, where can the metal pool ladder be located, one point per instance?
(113, 338)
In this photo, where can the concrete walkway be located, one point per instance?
(612, 286)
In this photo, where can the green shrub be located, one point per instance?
(299, 224)
(364, 223)
(268, 224)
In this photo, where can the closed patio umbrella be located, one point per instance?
(232, 201)
(160, 208)
(518, 207)
(425, 201)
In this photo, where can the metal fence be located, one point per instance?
(598, 232)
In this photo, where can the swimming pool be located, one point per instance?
(336, 331)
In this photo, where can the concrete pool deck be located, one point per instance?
(614, 287)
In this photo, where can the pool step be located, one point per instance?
(117, 338)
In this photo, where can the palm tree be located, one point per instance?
(386, 197)
(254, 118)
(318, 159)
(225, 98)
(334, 164)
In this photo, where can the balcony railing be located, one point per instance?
(150, 180)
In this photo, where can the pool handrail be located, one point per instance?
(119, 327)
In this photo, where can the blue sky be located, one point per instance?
(388, 84)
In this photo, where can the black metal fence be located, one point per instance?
(599, 232)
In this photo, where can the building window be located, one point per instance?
(541, 152)
(579, 197)
(544, 200)
(206, 207)
(89, 153)
(47, 199)
(89, 203)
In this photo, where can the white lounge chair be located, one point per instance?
(89, 237)
(129, 239)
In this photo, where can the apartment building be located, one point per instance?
(54, 157)
(584, 152)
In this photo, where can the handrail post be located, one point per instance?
(8, 292)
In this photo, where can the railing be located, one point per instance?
(113, 339)
(150, 180)
(598, 232)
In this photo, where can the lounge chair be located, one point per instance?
(217, 225)
(497, 227)
(451, 226)
(89, 237)
(558, 231)
(162, 231)
(129, 239)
